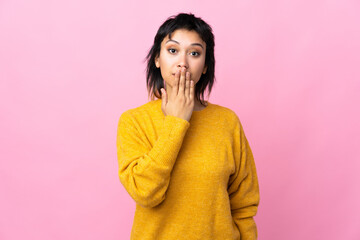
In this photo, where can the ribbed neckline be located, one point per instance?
(204, 109)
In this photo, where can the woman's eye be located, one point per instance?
(196, 54)
(171, 50)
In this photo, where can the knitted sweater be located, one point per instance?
(190, 179)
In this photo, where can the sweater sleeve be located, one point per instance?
(145, 170)
(243, 187)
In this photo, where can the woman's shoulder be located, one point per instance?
(149, 108)
(224, 111)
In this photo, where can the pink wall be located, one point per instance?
(68, 69)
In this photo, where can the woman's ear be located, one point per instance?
(157, 64)
(205, 68)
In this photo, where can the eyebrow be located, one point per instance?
(193, 44)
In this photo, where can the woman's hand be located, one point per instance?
(181, 100)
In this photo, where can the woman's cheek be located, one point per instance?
(196, 77)
(170, 80)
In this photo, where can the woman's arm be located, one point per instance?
(243, 187)
(143, 171)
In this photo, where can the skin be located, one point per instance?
(185, 50)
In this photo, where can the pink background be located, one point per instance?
(68, 69)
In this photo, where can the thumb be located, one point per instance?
(163, 96)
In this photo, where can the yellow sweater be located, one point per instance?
(190, 180)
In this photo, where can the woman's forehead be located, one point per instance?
(184, 36)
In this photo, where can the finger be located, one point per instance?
(187, 85)
(182, 82)
(192, 90)
(175, 89)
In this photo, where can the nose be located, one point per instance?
(183, 62)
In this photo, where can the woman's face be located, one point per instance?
(185, 49)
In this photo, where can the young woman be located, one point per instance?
(186, 162)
